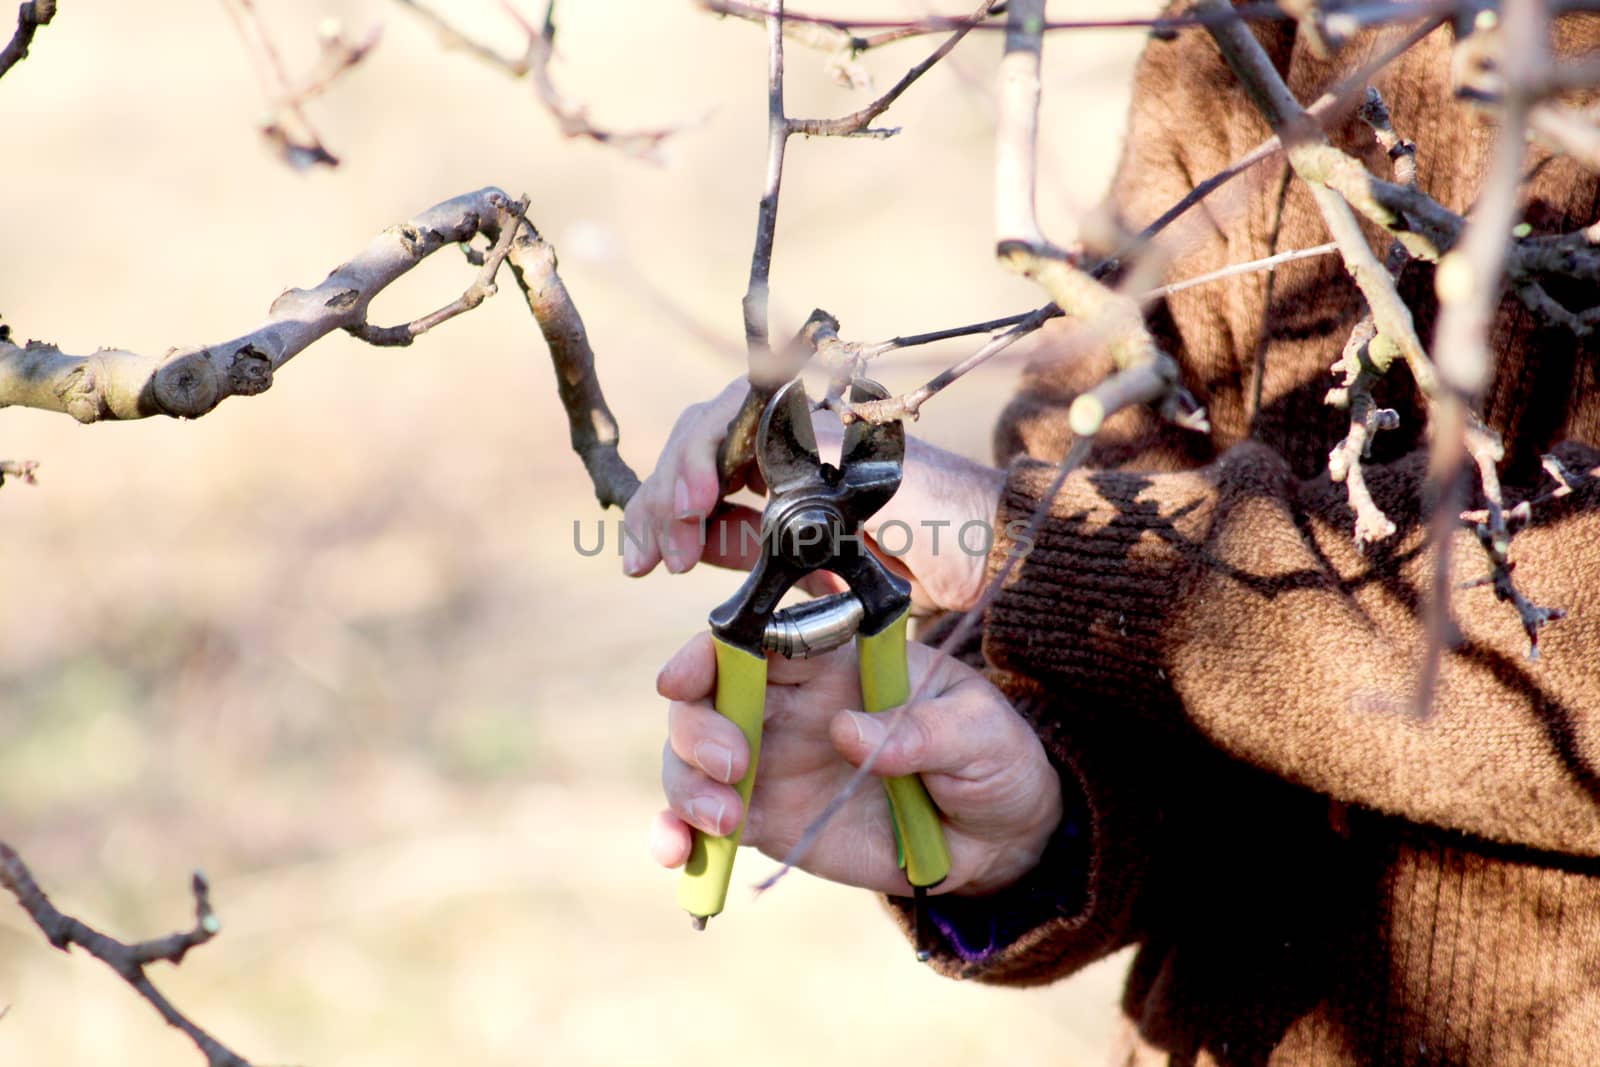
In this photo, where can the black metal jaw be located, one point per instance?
(813, 518)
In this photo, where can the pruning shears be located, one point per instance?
(812, 522)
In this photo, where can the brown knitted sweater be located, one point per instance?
(1313, 873)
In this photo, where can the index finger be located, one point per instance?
(691, 673)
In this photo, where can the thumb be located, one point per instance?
(906, 749)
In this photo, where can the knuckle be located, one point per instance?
(690, 419)
(918, 739)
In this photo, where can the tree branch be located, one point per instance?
(1312, 159)
(1328, 108)
(30, 16)
(859, 123)
(19, 468)
(188, 383)
(1345, 22)
(1017, 131)
(1468, 283)
(1570, 131)
(1367, 357)
(1234, 270)
(593, 428)
(534, 64)
(482, 287)
(1468, 279)
(289, 130)
(767, 373)
(127, 960)
(573, 119)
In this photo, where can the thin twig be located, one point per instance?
(19, 468)
(908, 405)
(573, 119)
(1569, 131)
(30, 16)
(766, 372)
(1312, 159)
(482, 287)
(834, 38)
(1367, 357)
(127, 960)
(1468, 283)
(452, 38)
(1253, 266)
(534, 64)
(1327, 109)
(339, 55)
(1364, 361)
(289, 129)
(872, 351)
(859, 123)
(1347, 20)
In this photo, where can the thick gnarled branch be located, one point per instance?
(188, 383)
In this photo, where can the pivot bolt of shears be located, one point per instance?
(809, 535)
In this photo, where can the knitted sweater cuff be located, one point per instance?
(977, 930)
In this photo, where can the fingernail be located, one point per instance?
(630, 556)
(681, 500)
(716, 760)
(707, 814)
(677, 555)
(870, 729)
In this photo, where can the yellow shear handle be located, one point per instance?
(741, 696)
(886, 684)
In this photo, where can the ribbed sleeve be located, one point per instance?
(1087, 598)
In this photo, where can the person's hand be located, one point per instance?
(982, 764)
(927, 527)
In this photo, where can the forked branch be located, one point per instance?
(534, 64)
(188, 383)
(129, 960)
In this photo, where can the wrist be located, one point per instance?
(949, 502)
(1017, 858)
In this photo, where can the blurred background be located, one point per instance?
(334, 644)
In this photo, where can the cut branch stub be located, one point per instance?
(738, 448)
(1145, 373)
